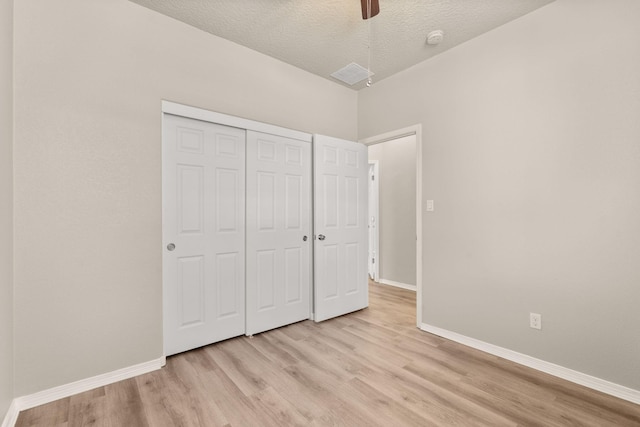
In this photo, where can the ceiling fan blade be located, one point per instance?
(375, 8)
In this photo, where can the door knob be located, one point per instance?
(321, 237)
(171, 247)
(304, 238)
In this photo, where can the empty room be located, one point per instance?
(185, 217)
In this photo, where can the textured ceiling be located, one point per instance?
(323, 36)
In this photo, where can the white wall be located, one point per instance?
(6, 205)
(90, 77)
(531, 152)
(397, 208)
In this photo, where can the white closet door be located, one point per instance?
(203, 233)
(340, 226)
(278, 231)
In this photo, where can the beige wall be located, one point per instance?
(6, 205)
(397, 208)
(90, 75)
(531, 153)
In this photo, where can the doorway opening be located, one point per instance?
(395, 219)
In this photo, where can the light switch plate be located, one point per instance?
(430, 207)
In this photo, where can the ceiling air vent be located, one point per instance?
(352, 74)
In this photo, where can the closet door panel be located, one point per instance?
(278, 231)
(293, 280)
(340, 255)
(203, 195)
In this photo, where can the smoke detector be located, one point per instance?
(435, 37)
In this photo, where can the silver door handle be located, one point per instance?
(304, 238)
(171, 247)
(321, 237)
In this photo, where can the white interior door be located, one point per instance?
(340, 227)
(203, 191)
(278, 231)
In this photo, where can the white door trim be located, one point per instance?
(395, 134)
(176, 109)
(375, 185)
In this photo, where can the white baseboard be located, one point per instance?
(397, 284)
(589, 381)
(66, 390)
(12, 415)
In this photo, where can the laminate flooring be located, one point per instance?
(369, 368)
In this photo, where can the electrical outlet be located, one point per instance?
(535, 320)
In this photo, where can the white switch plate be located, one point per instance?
(430, 207)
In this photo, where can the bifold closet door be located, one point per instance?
(278, 280)
(340, 224)
(203, 193)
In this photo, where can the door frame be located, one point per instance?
(169, 107)
(395, 134)
(375, 186)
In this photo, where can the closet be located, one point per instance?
(262, 227)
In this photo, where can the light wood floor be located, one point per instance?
(370, 368)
